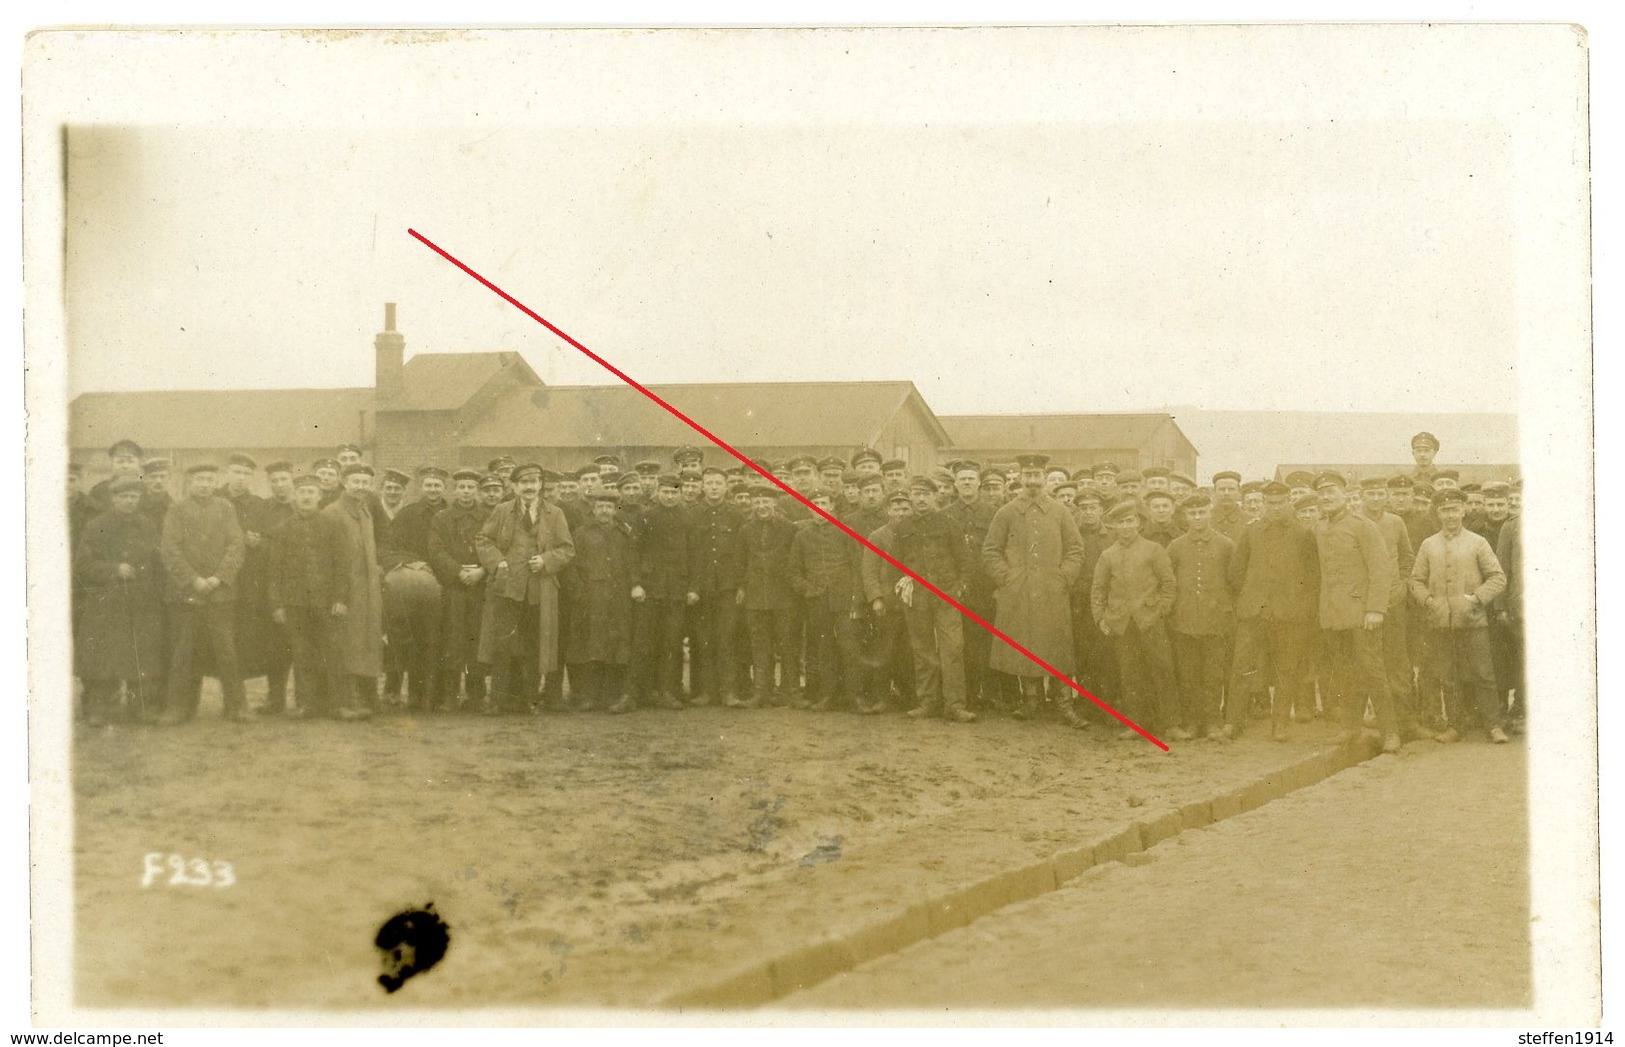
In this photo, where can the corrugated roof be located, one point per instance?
(1041, 431)
(740, 413)
(179, 420)
(446, 381)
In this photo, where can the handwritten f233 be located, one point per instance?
(185, 872)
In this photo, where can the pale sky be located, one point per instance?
(1030, 264)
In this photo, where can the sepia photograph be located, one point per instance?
(811, 526)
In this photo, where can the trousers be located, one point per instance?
(217, 622)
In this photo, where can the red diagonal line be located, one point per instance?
(786, 488)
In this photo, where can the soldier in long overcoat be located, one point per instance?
(523, 546)
(118, 580)
(456, 564)
(600, 588)
(1033, 552)
(361, 646)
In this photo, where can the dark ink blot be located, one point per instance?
(409, 943)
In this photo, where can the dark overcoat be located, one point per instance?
(120, 621)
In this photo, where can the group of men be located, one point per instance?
(517, 589)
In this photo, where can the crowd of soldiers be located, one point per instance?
(1391, 603)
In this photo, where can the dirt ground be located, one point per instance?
(1399, 883)
(580, 860)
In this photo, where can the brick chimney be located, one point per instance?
(390, 349)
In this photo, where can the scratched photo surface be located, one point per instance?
(1141, 664)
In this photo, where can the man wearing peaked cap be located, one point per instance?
(608, 465)
(658, 620)
(1457, 580)
(523, 545)
(867, 461)
(308, 594)
(347, 454)
(1033, 553)
(1355, 577)
(895, 472)
(888, 655)
(1300, 482)
(971, 510)
(1424, 447)
(456, 565)
(1202, 623)
(1229, 519)
(202, 552)
(1156, 478)
(118, 626)
(601, 588)
(932, 544)
(1131, 595)
(1307, 510)
(1446, 478)
(715, 570)
(124, 458)
(156, 499)
(686, 456)
(262, 648)
(1374, 506)
(1275, 572)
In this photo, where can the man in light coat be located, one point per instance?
(1033, 553)
(1456, 578)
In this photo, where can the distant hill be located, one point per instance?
(1255, 442)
